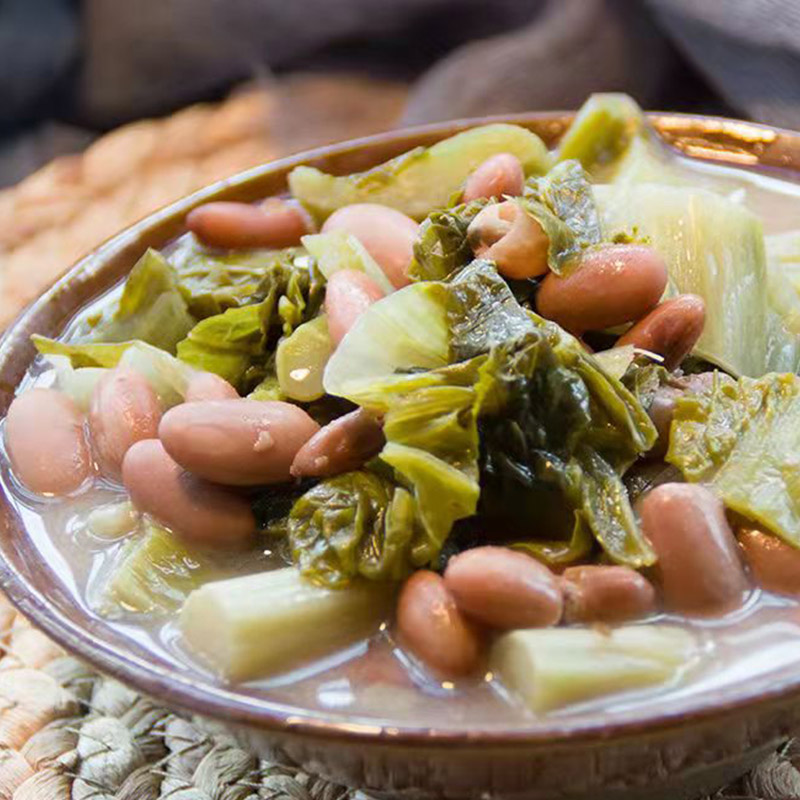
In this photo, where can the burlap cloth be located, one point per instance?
(67, 733)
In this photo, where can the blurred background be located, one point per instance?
(110, 109)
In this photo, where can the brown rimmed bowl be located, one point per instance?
(681, 750)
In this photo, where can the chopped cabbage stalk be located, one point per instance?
(338, 250)
(559, 667)
(256, 625)
(715, 248)
(424, 178)
(301, 358)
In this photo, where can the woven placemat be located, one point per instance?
(67, 733)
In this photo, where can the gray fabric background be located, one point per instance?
(70, 69)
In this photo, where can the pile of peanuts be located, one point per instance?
(187, 466)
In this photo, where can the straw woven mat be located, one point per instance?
(67, 733)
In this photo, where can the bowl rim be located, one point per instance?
(225, 703)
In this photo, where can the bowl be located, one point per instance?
(689, 747)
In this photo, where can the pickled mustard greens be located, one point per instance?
(442, 247)
(551, 424)
(423, 179)
(156, 573)
(562, 202)
(151, 308)
(485, 423)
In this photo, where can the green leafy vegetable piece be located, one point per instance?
(156, 573)
(213, 281)
(396, 340)
(442, 246)
(443, 493)
(424, 178)
(713, 247)
(743, 438)
(80, 366)
(563, 204)
(81, 354)
(339, 250)
(560, 553)
(228, 343)
(482, 312)
(616, 360)
(564, 431)
(151, 307)
(354, 524)
(238, 344)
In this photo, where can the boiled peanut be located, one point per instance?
(195, 510)
(342, 445)
(497, 176)
(46, 443)
(388, 236)
(208, 386)
(603, 287)
(275, 223)
(124, 409)
(430, 625)
(600, 593)
(774, 563)
(671, 329)
(698, 569)
(510, 237)
(348, 295)
(504, 589)
(236, 442)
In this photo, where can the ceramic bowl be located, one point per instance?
(680, 750)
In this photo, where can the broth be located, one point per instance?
(373, 680)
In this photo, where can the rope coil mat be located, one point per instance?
(68, 733)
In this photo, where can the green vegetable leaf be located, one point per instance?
(395, 341)
(424, 178)
(562, 202)
(442, 246)
(238, 344)
(81, 354)
(354, 524)
(151, 308)
(562, 433)
(80, 366)
(213, 280)
(156, 573)
(228, 343)
(744, 438)
(482, 312)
